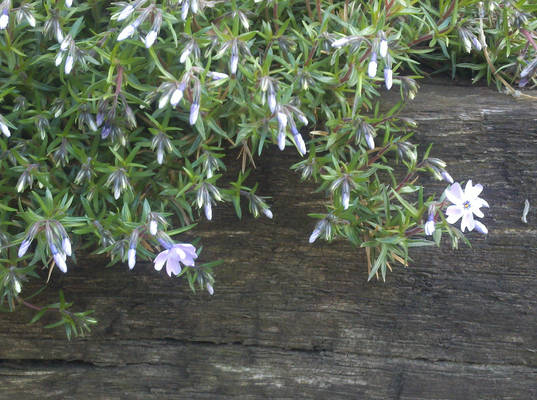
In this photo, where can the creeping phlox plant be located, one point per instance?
(116, 118)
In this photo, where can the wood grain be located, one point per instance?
(293, 320)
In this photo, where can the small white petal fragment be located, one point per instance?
(5, 129)
(268, 213)
(17, 286)
(526, 211)
(153, 226)
(59, 58)
(340, 42)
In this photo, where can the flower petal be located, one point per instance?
(455, 194)
(479, 202)
(472, 192)
(477, 212)
(453, 213)
(173, 266)
(481, 228)
(161, 259)
(467, 222)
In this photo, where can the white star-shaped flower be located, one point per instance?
(466, 204)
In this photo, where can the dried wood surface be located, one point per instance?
(298, 321)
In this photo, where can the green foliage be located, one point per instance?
(116, 120)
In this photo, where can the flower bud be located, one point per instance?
(127, 32)
(66, 245)
(383, 47)
(153, 226)
(372, 67)
(132, 257)
(24, 247)
(4, 18)
(388, 80)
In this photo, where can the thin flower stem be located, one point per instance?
(509, 88)
(275, 15)
(529, 37)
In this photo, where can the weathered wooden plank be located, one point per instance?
(165, 369)
(292, 320)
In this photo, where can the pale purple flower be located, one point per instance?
(68, 3)
(372, 67)
(174, 256)
(465, 204)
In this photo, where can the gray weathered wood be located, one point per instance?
(293, 320)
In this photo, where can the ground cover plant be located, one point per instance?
(115, 119)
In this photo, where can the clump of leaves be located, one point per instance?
(116, 119)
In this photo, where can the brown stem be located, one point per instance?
(275, 15)
(379, 154)
(319, 12)
(308, 8)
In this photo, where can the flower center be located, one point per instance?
(466, 204)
